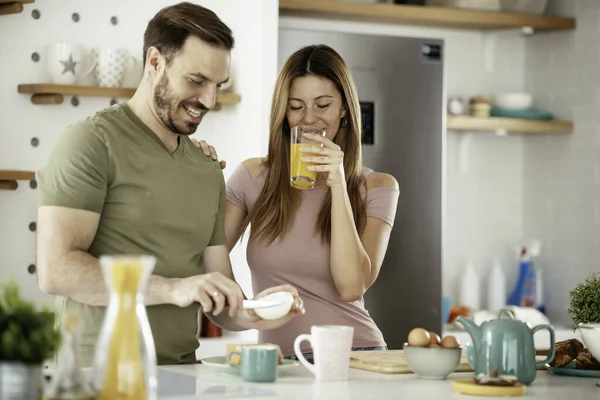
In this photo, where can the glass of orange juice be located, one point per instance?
(300, 177)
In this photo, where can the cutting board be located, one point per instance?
(393, 362)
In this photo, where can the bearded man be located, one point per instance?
(128, 180)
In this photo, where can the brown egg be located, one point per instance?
(418, 337)
(434, 338)
(450, 342)
(434, 346)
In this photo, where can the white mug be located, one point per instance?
(331, 346)
(66, 62)
(111, 64)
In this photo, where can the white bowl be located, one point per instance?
(524, 6)
(590, 334)
(278, 311)
(432, 362)
(513, 101)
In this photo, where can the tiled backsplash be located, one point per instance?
(562, 174)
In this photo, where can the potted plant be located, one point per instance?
(27, 339)
(584, 304)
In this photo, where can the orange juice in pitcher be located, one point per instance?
(125, 358)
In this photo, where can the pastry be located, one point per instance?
(495, 379)
(566, 351)
(585, 360)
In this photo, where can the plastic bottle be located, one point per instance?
(524, 294)
(469, 288)
(496, 287)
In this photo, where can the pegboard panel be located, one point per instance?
(28, 131)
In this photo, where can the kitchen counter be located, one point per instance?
(199, 381)
(210, 347)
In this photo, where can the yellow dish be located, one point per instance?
(470, 387)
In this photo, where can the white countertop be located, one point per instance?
(199, 381)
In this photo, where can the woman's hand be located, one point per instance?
(297, 309)
(209, 151)
(329, 159)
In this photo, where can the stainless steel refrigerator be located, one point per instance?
(401, 89)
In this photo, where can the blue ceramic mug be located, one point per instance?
(258, 363)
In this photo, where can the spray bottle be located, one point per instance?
(525, 292)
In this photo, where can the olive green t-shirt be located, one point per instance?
(151, 201)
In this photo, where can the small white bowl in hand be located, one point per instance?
(279, 310)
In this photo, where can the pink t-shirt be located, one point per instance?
(300, 259)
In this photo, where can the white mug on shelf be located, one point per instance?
(111, 64)
(68, 62)
(331, 346)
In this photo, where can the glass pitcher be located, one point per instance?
(125, 356)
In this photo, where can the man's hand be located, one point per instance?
(208, 151)
(213, 291)
(297, 309)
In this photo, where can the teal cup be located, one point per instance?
(258, 363)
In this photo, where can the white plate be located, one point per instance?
(219, 363)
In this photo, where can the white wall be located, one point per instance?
(489, 193)
(238, 131)
(562, 174)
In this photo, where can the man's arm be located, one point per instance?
(65, 267)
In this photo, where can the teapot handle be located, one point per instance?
(550, 357)
(506, 311)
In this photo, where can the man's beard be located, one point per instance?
(167, 107)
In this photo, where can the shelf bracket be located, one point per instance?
(9, 185)
(501, 132)
(47, 98)
(11, 8)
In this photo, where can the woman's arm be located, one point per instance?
(355, 260)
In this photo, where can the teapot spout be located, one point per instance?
(473, 330)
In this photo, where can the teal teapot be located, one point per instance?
(505, 346)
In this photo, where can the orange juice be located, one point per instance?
(301, 178)
(124, 379)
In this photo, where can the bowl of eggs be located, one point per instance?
(431, 357)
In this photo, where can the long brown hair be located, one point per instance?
(276, 206)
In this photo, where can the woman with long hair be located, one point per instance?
(330, 241)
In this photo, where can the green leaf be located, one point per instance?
(27, 334)
(584, 305)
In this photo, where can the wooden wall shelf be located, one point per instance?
(421, 15)
(12, 6)
(47, 93)
(507, 125)
(8, 178)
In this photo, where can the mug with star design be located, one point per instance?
(68, 62)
